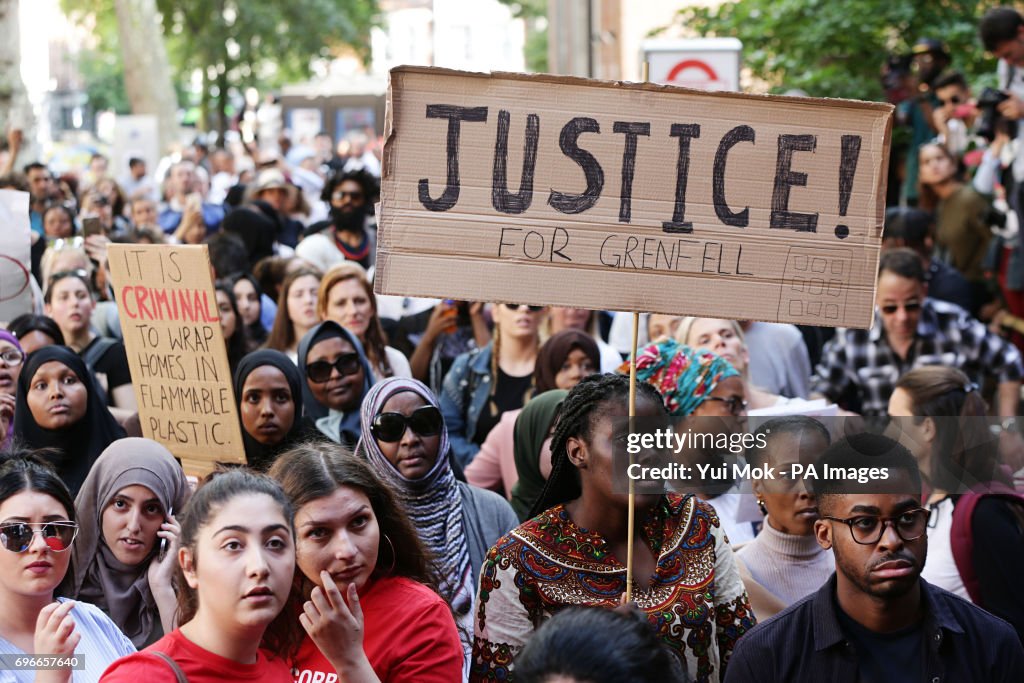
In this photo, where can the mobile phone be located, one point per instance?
(91, 226)
(163, 541)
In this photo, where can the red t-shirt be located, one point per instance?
(198, 665)
(409, 636)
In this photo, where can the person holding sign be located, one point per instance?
(372, 612)
(572, 553)
(126, 554)
(406, 443)
(37, 529)
(337, 376)
(268, 389)
(58, 407)
(236, 564)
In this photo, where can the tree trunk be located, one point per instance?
(15, 110)
(147, 76)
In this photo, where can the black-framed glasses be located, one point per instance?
(868, 529)
(390, 427)
(734, 404)
(18, 537)
(516, 307)
(354, 196)
(12, 356)
(911, 307)
(346, 364)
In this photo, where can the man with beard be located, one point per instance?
(876, 620)
(348, 235)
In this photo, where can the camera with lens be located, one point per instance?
(990, 121)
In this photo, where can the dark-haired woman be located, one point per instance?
(268, 389)
(236, 564)
(250, 308)
(406, 442)
(58, 407)
(35, 332)
(563, 360)
(976, 533)
(127, 504)
(236, 338)
(371, 609)
(573, 552)
(37, 528)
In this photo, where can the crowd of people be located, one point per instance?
(430, 490)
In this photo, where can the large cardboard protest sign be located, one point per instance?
(176, 352)
(631, 196)
(15, 257)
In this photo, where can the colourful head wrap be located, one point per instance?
(685, 377)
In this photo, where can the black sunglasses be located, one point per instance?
(516, 307)
(912, 307)
(18, 537)
(390, 427)
(346, 364)
(354, 196)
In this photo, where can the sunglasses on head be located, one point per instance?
(80, 273)
(390, 427)
(516, 307)
(18, 537)
(911, 307)
(346, 364)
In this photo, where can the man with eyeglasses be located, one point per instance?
(859, 368)
(876, 620)
(350, 234)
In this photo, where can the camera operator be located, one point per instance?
(955, 115)
(1002, 33)
(928, 59)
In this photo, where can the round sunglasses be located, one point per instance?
(390, 427)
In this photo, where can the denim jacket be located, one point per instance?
(464, 395)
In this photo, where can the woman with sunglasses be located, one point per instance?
(337, 376)
(127, 550)
(405, 441)
(725, 338)
(572, 552)
(296, 311)
(69, 302)
(346, 297)
(366, 586)
(37, 528)
(975, 538)
(268, 389)
(57, 407)
(235, 569)
(484, 383)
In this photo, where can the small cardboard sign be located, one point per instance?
(176, 352)
(15, 257)
(631, 196)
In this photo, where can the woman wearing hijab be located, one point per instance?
(268, 389)
(336, 376)
(58, 407)
(119, 564)
(533, 449)
(406, 443)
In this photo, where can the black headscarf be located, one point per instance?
(260, 456)
(313, 408)
(79, 445)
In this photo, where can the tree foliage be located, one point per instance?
(234, 44)
(535, 14)
(836, 49)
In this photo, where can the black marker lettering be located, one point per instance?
(632, 130)
(571, 203)
(739, 219)
(503, 200)
(786, 178)
(685, 132)
(455, 116)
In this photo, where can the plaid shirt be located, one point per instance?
(859, 366)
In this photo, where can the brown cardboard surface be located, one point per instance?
(655, 244)
(176, 352)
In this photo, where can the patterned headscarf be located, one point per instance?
(433, 501)
(684, 376)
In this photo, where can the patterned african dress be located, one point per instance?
(695, 600)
